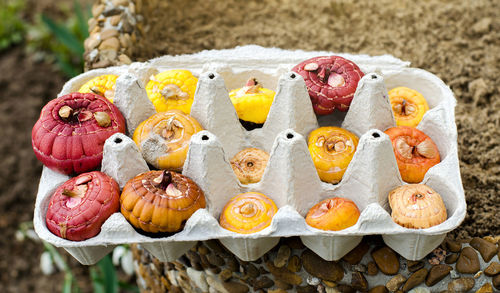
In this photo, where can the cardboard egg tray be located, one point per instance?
(290, 178)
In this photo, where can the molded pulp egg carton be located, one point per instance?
(290, 178)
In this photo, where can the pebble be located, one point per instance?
(294, 264)
(346, 289)
(329, 284)
(120, 2)
(493, 269)
(282, 257)
(415, 279)
(452, 258)
(453, 245)
(414, 266)
(395, 282)
(486, 288)
(97, 10)
(468, 261)
(216, 260)
(282, 285)
(358, 281)
(478, 274)
(225, 275)
(492, 239)
(386, 260)
(437, 256)
(198, 279)
(276, 291)
(306, 289)
(461, 285)
(236, 287)
(359, 268)
(250, 270)
(109, 33)
(283, 274)
(115, 20)
(233, 264)
(379, 289)
(110, 44)
(92, 42)
(262, 283)
(496, 281)
(485, 248)
(437, 273)
(318, 267)
(331, 290)
(356, 255)
(313, 281)
(454, 274)
(372, 269)
(111, 11)
(419, 290)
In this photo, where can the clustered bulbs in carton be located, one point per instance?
(318, 166)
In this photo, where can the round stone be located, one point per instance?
(379, 289)
(235, 287)
(451, 259)
(282, 257)
(468, 261)
(318, 267)
(461, 285)
(283, 274)
(355, 255)
(395, 282)
(485, 248)
(294, 264)
(262, 283)
(415, 279)
(486, 288)
(110, 44)
(496, 281)
(493, 269)
(437, 273)
(386, 260)
(359, 282)
(453, 246)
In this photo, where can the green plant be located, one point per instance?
(67, 49)
(103, 275)
(12, 27)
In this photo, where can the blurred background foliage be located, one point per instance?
(58, 42)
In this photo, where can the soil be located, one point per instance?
(457, 40)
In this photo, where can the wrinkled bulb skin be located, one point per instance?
(248, 213)
(80, 206)
(332, 149)
(417, 206)
(249, 165)
(415, 152)
(69, 135)
(160, 201)
(331, 82)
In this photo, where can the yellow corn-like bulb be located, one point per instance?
(332, 149)
(102, 85)
(248, 213)
(172, 89)
(408, 106)
(252, 102)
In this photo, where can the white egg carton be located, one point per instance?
(290, 178)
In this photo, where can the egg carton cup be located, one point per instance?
(290, 178)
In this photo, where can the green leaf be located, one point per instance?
(64, 35)
(129, 287)
(109, 275)
(66, 67)
(81, 20)
(97, 282)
